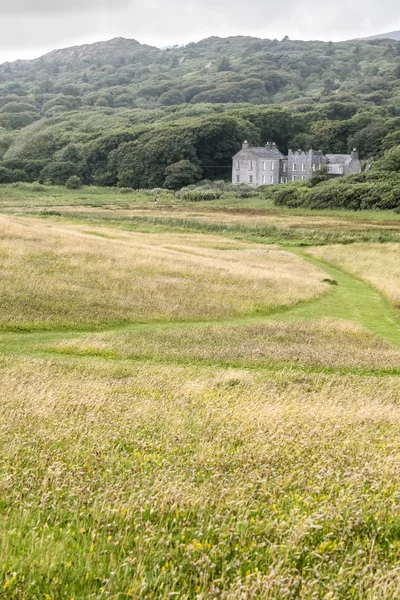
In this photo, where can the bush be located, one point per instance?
(200, 195)
(126, 190)
(74, 182)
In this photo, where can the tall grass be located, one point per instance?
(58, 277)
(145, 481)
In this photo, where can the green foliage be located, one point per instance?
(181, 174)
(73, 183)
(125, 113)
(200, 195)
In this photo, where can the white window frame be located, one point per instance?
(313, 168)
(303, 167)
(264, 165)
(250, 178)
(303, 177)
(250, 165)
(238, 165)
(272, 179)
(294, 166)
(293, 177)
(237, 178)
(341, 170)
(285, 167)
(263, 178)
(272, 166)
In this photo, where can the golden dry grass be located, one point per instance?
(153, 481)
(378, 264)
(325, 344)
(60, 276)
(248, 217)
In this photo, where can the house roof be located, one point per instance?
(267, 152)
(339, 159)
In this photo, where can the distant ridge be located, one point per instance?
(393, 35)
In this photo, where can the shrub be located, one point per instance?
(74, 182)
(126, 190)
(200, 195)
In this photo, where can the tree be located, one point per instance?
(224, 64)
(172, 97)
(73, 182)
(180, 174)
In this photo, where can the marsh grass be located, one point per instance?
(144, 481)
(324, 344)
(54, 277)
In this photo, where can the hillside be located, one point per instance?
(119, 112)
(392, 35)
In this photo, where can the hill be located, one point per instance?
(119, 112)
(393, 35)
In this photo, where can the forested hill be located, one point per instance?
(120, 112)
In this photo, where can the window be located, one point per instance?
(272, 166)
(264, 165)
(282, 180)
(303, 177)
(294, 167)
(284, 167)
(237, 178)
(237, 165)
(341, 170)
(293, 177)
(250, 165)
(320, 167)
(303, 167)
(250, 178)
(313, 168)
(263, 178)
(330, 168)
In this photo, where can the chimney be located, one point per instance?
(354, 154)
(245, 145)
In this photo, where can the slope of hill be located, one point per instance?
(392, 35)
(100, 109)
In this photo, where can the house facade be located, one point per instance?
(268, 166)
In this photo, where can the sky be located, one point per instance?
(30, 28)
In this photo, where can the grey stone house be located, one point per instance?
(268, 166)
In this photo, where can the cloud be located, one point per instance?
(32, 7)
(32, 27)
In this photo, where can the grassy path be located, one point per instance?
(351, 299)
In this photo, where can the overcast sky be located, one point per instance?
(30, 28)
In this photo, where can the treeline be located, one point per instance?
(177, 146)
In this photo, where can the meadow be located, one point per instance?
(197, 411)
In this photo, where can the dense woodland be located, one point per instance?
(126, 114)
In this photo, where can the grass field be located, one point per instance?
(188, 414)
(379, 265)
